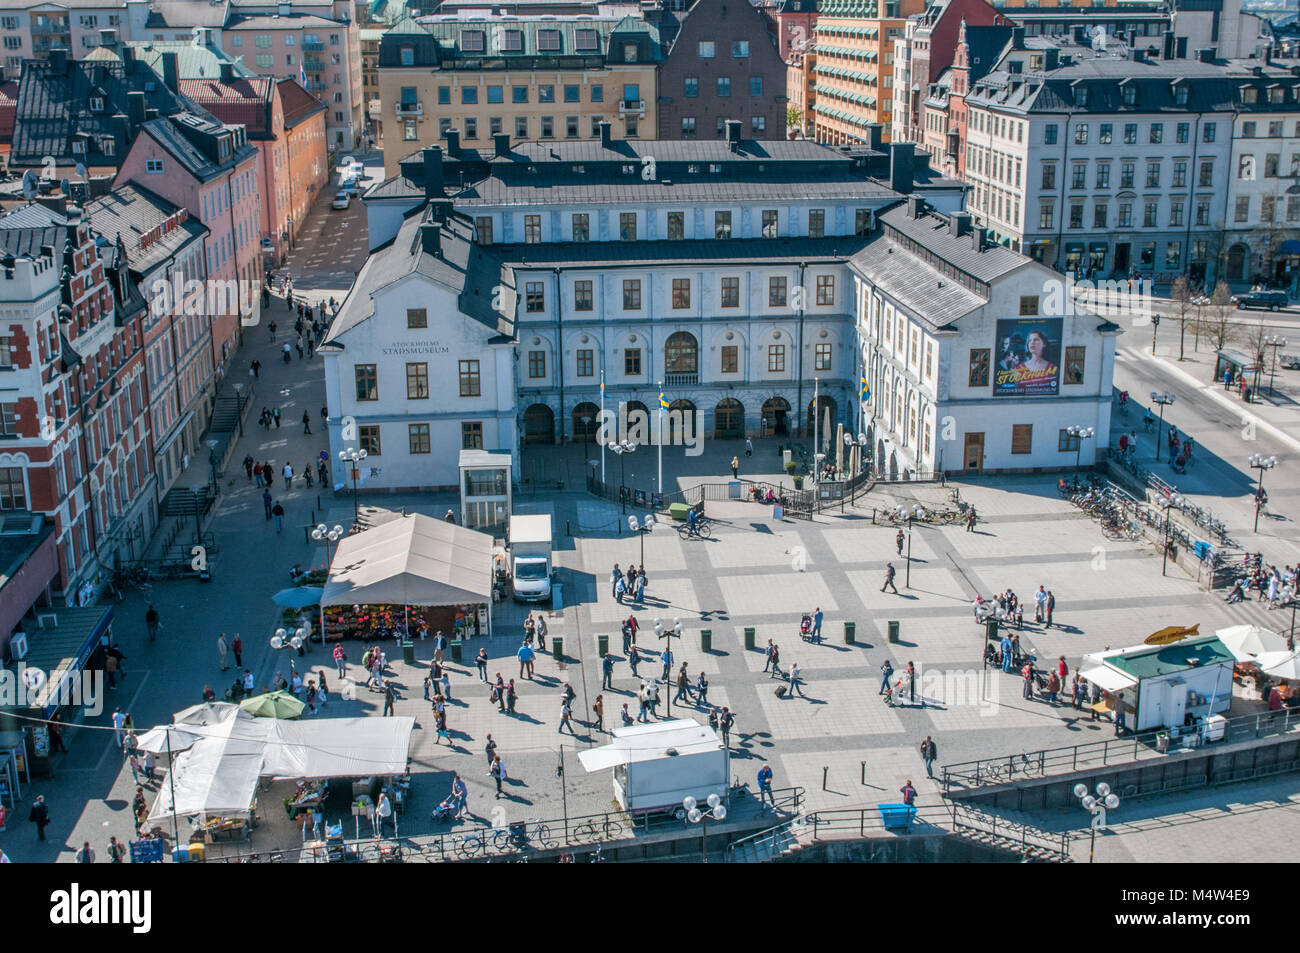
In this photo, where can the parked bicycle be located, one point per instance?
(602, 830)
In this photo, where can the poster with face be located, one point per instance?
(1028, 357)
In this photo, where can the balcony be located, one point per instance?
(313, 47)
(413, 110)
(629, 106)
(313, 65)
(681, 380)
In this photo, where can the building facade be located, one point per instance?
(531, 78)
(722, 65)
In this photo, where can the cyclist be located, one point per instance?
(693, 521)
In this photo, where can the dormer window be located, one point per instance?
(1249, 94)
(512, 41)
(471, 41)
(96, 104)
(1180, 95)
(1275, 95)
(585, 40)
(1130, 95)
(406, 56)
(548, 41)
(1081, 96)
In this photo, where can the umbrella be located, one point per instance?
(1247, 641)
(156, 740)
(273, 705)
(1280, 664)
(298, 597)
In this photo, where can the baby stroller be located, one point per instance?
(446, 811)
(805, 627)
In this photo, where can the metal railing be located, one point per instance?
(1141, 746)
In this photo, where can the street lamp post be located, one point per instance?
(1097, 806)
(674, 633)
(283, 639)
(330, 537)
(641, 527)
(1155, 326)
(1262, 464)
(1172, 503)
(1162, 400)
(620, 449)
(1080, 434)
(912, 515)
(717, 811)
(1274, 342)
(353, 456)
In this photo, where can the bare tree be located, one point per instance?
(1219, 326)
(1181, 295)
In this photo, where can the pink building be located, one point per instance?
(210, 168)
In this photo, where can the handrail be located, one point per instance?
(1047, 762)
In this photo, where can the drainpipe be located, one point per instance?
(798, 354)
(559, 348)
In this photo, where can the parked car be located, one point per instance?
(342, 200)
(351, 186)
(1291, 362)
(1272, 300)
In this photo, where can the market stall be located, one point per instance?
(1165, 686)
(411, 572)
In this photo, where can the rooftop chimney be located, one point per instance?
(900, 166)
(1018, 38)
(1206, 55)
(453, 141)
(1080, 32)
(915, 206)
(121, 134)
(431, 238)
(135, 107)
(733, 134)
(128, 56)
(59, 61)
(958, 224)
(605, 130)
(171, 73)
(502, 140)
(1051, 58)
(439, 210)
(1139, 56)
(1171, 44)
(227, 73)
(876, 137)
(150, 114)
(433, 172)
(977, 239)
(1181, 52)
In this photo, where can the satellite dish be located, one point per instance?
(29, 185)
(81, 171)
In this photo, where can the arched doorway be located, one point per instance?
(586, 421)
(681, 359)
(1237, 256)
(825, 409)
(775, 410)
(539, 424)
(729, 420)
(685, 412)
(893, 465)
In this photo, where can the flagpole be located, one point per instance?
(661, 438)
(817, 412)
(602, 424)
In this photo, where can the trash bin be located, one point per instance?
(850, 632)
(180, 856)
(893, 630)
(557, 648)
(408, 651)
(991, 629)
(196, 853)
(456, 646)
(602, 646)
(749, 638)
(706, 640)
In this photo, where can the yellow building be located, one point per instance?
(374, 111)
(855, 65)
(541, 77)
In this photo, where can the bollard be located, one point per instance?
(456, 645)
(864, 773)
(850, 632)
(557, 648)
(893, 630)
(602, 646)
(749, 638)
(825, 770)
(706, 640)
(991, 629)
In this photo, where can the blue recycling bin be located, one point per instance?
(1202, 550)
(896, 816)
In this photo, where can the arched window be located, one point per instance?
(681, 356)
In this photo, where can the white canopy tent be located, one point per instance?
(414, 560)
(218, 775)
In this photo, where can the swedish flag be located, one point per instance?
(866, 390)
(663, 403)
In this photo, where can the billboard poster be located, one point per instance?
(1028, 356)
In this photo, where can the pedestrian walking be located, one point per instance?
(511, 697)
(321, 471)
(749, 447)
(116, 851)
(767, 653)
(909, 793)
(795, 682)
(248, 467)
(288, 475)
(683, 690)
(911, 684)
(735, 468)
(446, 683)
(119, 726)
(970, 520)
(498, 772)
(627, 638)
(725, 720)
(929, 751)
(598, 706)
(439, 646)
(1040, 604)
(541, 632)
(1051, 607)
(666, 658)
(340, 660)
(277, 512)
(607, 671)
(481, 662)
(566, 716)
(266, 502)
(490, 749)
(306, 421)
(276, 412)
(886, 670)
(817, 626)
(390, 696)
(40, 816)
(776, 662)
(525, 655)
(87, 854)
(765, 795)
(890, 572)
(151, 622)
(223, 650)
(701, 689)
(898, 540)
(633, 659)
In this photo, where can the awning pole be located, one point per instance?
(171, 781)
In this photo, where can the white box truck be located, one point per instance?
(530, 557)
(657, 765)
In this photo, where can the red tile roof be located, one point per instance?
(243, 101)
(298, 104)
(8, 108)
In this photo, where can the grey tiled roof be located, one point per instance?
(510, 190)
(931, 231)
(471, 271)
(398, 187)
(649, 254)
(128, 212)
(919, 287)
(24, 230)
(171, 137)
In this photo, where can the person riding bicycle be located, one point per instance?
(693, 518)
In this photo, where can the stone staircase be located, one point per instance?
(1032, 853)
(769, 845)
